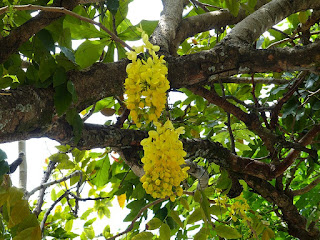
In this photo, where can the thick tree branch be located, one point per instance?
(190, 26)
(26, 112)
(248, 30)
(169, 21)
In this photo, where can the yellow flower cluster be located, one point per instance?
(239, 207)
(163, 157)
(146, 84)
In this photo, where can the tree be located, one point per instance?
(250, 114)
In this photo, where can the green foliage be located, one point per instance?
(16, 215)
(4, 166)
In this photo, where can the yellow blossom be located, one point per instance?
(146, 84)
(163, 155)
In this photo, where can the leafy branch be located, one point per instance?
(137, 216)
(67, 12)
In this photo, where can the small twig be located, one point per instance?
(43, 222)
(292, 172)
(257, 104)
(289, 39)
(87, 199)
(46, 185)
(45, 178)
(124, 116)
(309, 96)
(85, 118)
(249, 106)
(67, 12)
(137, 216)
(278, 30)
(258, 80)
(204, 5)
(275, 112)
(228, 124)
(78, 195)
(306, 188)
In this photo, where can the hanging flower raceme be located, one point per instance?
(163, 157)
(146, 84)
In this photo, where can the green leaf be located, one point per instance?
(233, 6)
(267, 234)
(65, 38)
(195, 216)
(165, 232)
(205, 206)
(66, 164)
(46, 39)
(227, 232)
(185, 203)
(154, 223)
(224, 182)
(78, 154)
(106, 232)
(68, 225)
(197, 196)
(72, 90)
(89, 222)
(18, 213)
(33, 233)
(59, 76)
(63, 148)
(102, 175)
(76, 122)
(121, 51)
(113, 6)
(217, 210)
(132, 34)
(80, 29)
(62, 98)
(4, 167)
(109, 57)
(68, 53)
(89, 52)
(202, 234)
(59, 157)
(5, 82)
(74, 180)
(53, 195)
(143, 236)
(303, 17)
(89, 232)
(176, 218)
(47, 68)
(32, 74)
(3, 155)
